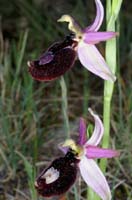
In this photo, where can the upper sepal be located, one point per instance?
(82, 132)
(98, 19)
(92, 60)
(94, 178)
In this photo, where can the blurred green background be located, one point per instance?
(31, 119)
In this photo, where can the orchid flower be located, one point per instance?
(62, 172)
(60, 57)
(87, 53)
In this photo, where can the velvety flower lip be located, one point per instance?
(58, 177)
(88, 54)
(87, 151)
(58, 59)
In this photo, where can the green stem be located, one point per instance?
(108, 86)
(106, 120)
(75, 192)
(65, 106)
(86, 93)
(112, 11)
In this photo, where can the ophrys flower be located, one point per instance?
(60, 57)
(87, 37)
(78, 156)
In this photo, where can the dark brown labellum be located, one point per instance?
(58, 59)
(58, 177)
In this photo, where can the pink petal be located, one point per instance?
(98, 130)
(94, 178)
(91, 59)
(98, 19)
(97, 152)
(96, 37)
(82, 132)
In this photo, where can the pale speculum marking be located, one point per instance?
(51, 175)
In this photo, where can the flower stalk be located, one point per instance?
(65, 106)
(112, 11)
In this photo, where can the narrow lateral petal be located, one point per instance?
(96, 37)
(92, 60)
(97, 152)
(82, 132)
(98, 130)
(98, 19)
(94, 178)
